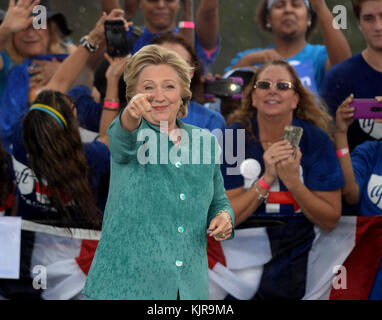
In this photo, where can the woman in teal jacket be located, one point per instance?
(166, 190)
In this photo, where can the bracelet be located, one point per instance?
(261, 197)
(263, 184)
(225, 215)
(186, 25)
(111, 105)
(342, 152)
(87, 45)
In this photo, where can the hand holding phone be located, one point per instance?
(116, 39)
(366, 109)
(224, 88)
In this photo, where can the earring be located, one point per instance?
(268, 25)
(309, 23)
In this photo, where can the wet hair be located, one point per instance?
(56, 156)
(262, 14)
(307, 108)
(170, 37)
(156, 55)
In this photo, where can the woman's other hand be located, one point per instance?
(221, 227)
(288, 170)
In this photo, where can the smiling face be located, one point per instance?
(370, 23)
(159, 15)
(289, 18)
(273, 102)
(163, 83)
(32, 42)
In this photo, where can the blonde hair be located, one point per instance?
(56, 45)
(307, 108)
(156, 55)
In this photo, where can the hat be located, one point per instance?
(58, 17)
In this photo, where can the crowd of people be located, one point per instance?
(113, 143)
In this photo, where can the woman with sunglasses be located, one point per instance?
(303, 190)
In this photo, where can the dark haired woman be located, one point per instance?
(291, 22)
(302, 191)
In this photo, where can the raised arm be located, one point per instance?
(17, 18)
(70, 69)
(207, 23)
(344, 114)
(335, 42)
(109, 113)
(187, 15)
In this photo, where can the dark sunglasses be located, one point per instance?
(280, 85)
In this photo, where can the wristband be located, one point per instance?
(342, 152)
(186, 25)
(111, 105)
(263, 184)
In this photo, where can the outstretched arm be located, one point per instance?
(336, 44)
(187, 14)
(69, 70)
(113, 74)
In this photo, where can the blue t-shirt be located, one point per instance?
(203, 117)
(32, 200)
(367, 165)
(309, 63)
(355, 76)
(319, 168)
(4, 71)
(89, 111)
(206, 59)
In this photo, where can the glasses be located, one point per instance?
(280, 85)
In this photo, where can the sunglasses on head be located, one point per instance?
(280, 85)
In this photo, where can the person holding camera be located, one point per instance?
(153, 243)
(291, 22)
(360, 75)
(362, 169)
(160, 17)
(295, 193)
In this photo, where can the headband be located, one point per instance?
(52, 112)
(271, 3)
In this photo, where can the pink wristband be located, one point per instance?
(111, 104)
(342, 152)
(186, 25)
(263, 184)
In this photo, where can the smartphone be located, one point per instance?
(116, 39)
(224, 88)
(366, 108)
(293, 134)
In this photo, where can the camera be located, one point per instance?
(231, 87)
(116, 39)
